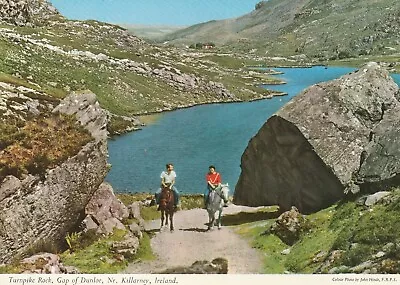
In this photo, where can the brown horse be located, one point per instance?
(167, 207)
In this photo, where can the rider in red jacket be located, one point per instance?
(213, 179)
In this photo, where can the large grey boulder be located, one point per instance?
(36, 213)
(308, 154)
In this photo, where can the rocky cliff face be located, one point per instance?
(309, 153)
(37, 212)
(25, 12)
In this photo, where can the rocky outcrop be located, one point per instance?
(16, 102)
(309, 153)
(88, 112)
(25, 12)
(104, 211)
(37, 212)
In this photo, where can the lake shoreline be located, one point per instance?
(181, 107)
(142, 124)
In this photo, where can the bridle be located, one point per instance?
(220, 194)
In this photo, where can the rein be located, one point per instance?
(219, 193)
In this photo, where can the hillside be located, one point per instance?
(359, 235)
(324, 30)
(130, 77)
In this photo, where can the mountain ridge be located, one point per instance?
(348, 28)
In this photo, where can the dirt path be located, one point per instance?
(191, 242)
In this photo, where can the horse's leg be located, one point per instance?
(171, 217)
(162, 218)
(209, 221)
(166, 217)
(211, 218)
(219, 218)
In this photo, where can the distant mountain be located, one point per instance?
(326, 29)
(151, 32)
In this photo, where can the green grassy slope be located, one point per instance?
(345, 238)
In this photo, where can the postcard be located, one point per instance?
(192, 142)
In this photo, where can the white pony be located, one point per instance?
(216, 201)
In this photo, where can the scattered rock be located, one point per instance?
(379, 254)
(389, 247)
(45, 263)
(128, 247)
(217, 266)
(320, 256)
(134, 213)
(136, 230)
(340, 269)
(333, 256)
(375, 198)
(389, 266)
(362, 267)
(289, 226)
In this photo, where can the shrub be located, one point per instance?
(39, 144)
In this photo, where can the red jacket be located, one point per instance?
(214, 178)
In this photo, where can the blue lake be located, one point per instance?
(194, 138)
